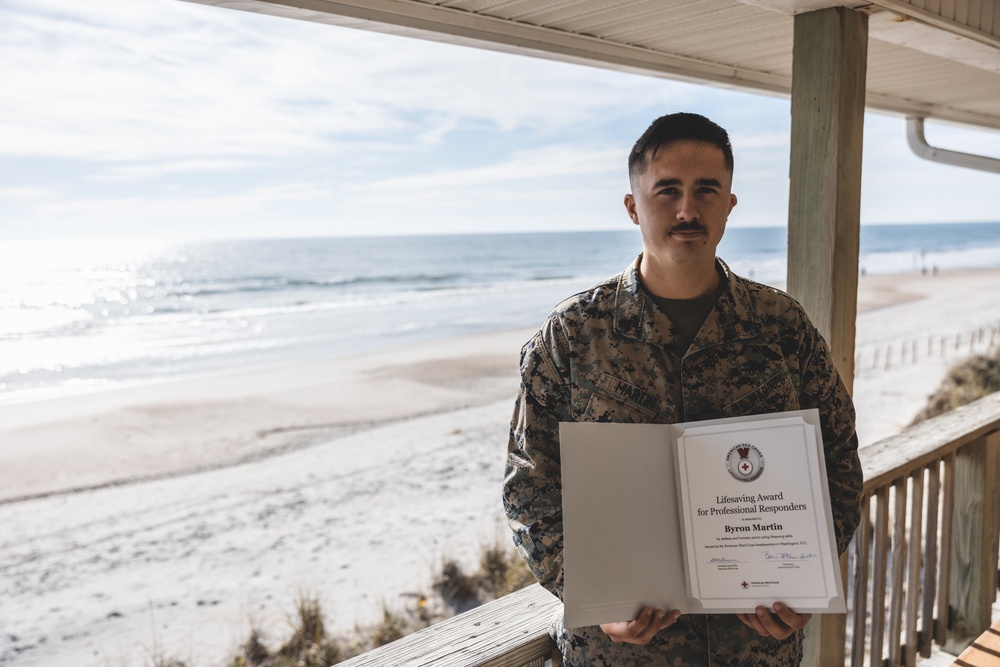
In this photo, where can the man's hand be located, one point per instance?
(780, 625)
(641, 630)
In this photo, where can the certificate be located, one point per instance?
(757, 525)
(716, 516)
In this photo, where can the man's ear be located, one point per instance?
(732, 202)
(630, 208)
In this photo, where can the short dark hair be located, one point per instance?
(677, 127)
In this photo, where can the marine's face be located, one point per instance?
(681, 203)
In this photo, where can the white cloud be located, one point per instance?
(26, 194)
(551, 162)
(176, 87)
(132, 172)
(253, 212)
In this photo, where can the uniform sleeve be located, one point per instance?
(532, 490)
(823, 389)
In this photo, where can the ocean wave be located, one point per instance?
(250, 284)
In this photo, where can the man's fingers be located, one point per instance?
(629, 631)
(753, 622)
(669, 619)
(781, 624)
(790, 618)
(643, 628)
(773, 626)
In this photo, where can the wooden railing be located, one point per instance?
(510, 632)
(922, 569)
(923, 564)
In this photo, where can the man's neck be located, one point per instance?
(678, 281)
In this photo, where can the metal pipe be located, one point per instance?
(918, 144)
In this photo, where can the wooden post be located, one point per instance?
(973, 570)
(829, 62)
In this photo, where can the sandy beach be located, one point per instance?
(170, 516)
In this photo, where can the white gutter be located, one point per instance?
(918, 144)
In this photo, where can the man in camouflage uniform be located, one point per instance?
(676, 337)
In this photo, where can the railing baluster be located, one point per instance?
(899, 549)
(944, 571)
(879, 567)
(930, 558)
(913, 592)
(860, 585)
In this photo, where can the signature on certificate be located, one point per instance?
(787, 555)
(720, 560)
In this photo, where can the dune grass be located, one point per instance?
(452, 590)
(967, 381)
(310, 645)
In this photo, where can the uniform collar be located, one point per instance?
(638, 317)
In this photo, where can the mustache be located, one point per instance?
(693, 226)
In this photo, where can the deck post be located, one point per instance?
(830, 56)
(973, 570)
(829, 62)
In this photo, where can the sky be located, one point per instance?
(164, 119)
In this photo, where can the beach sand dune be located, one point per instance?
(212, 501)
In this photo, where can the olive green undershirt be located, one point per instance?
(688, 315)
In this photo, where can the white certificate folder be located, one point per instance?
(715, 516)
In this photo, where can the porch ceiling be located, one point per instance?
(930, 58)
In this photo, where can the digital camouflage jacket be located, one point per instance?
(610, 354)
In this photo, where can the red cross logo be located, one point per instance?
(745, 585)
(748, 466)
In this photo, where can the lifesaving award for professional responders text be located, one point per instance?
(756, 517)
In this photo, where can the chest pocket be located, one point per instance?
(615, 400)
(776, 394)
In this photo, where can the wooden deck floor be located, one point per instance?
(940, 658)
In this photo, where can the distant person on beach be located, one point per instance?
(676, 337)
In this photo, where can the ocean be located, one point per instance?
(80, 315)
